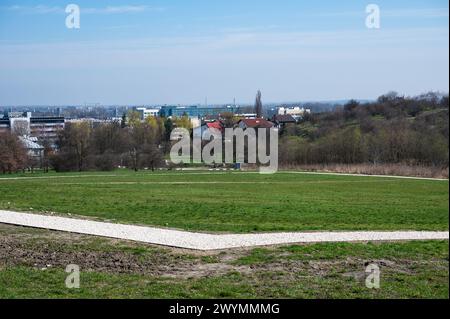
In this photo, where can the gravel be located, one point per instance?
(203, 241)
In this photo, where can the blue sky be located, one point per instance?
(181, 51)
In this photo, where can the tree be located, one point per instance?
(388, 97)
(48, 153)
(157, 130)
(133, 118)
(258, 105)
(168, 126)
(349, 108)
(108, 137)
(123, 122)
(151, 157)
(183, 122)
(74, 147)
(229, 119)
(13, 156)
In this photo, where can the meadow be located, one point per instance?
(238, 202)
(32, 264)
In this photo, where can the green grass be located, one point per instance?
(408, 270)
(236, 202)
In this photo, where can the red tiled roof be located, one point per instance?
(215, 125)
(257, 123)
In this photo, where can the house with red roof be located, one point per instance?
(255, 123)
(215, 127)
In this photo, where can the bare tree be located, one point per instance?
(73, 143)
(47, 154)
(151, 157)
(13, 156)
(229, 119)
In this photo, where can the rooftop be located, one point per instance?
(257, 123)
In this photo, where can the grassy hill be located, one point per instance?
(392, 130)
(236, 202)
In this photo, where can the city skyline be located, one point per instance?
(178, 52)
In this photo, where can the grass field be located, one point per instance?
(235, 202)
(32, 263)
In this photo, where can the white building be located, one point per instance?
(35, 151)
(20, 122)
(294, 111)
(25, 124)
(248, 115)
(147, 112)
(195, 122)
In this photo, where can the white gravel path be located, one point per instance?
(203, 241)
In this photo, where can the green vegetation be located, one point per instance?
(32, 264)
(394, 129)
(235, 202)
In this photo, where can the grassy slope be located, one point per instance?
(238, 202)
(117, 269)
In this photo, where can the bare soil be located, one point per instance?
(44, 249)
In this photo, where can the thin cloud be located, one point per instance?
(43, 9)
(418, 13)
(39, 9)
(121, 9)
(393, 13)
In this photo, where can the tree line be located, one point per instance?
(133, 144)
(394, 129)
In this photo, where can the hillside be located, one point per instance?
(393, 130)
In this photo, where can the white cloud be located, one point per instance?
(39, 9)
(273, 46)
(43, 9)
(417, 13)
(393, 13)
(121, 9)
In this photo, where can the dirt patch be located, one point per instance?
(43, 249)
(48, 249)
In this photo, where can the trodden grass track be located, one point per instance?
(235, 201)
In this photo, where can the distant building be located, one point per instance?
(195, 122)
(282, 120)
(248, 115)
(194, 111)
(147, 112)
(296, 111)
(4, 124)
(93, 123)
(46, 127)
(34, 150)
(24, 124)
(214, 128)
(255, 123)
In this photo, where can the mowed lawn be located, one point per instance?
(235, 202)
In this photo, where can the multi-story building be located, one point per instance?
(24, 124)
(46, 127)
(194, 111)
(34, 150)
(147, 112)
(93, 123)
(4, 123)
